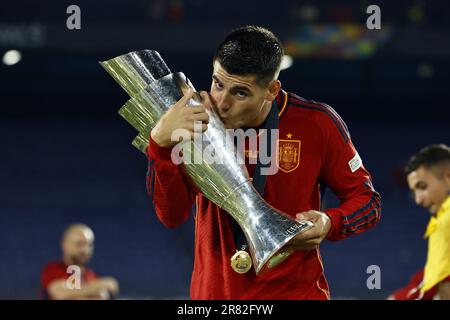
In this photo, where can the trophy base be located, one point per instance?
(281, 254)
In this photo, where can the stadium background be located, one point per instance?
(66, 155)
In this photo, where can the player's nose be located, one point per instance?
(223, 103)
(419, 198)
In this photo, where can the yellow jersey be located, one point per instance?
(437, 267)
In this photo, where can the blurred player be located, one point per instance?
(77, 246)
(428, 175)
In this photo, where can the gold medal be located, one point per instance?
(241, 262)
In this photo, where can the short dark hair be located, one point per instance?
(251, 50)
(429, 157)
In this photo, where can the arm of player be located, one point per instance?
(172, 196)
(99, 289)
(444, 290)
(344, 173)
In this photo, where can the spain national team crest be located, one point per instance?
(288, 154)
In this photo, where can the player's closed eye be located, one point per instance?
(422, 186)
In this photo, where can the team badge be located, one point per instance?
(288, 154)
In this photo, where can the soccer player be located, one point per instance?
(314, 150)
(428, 175)
(77, 245)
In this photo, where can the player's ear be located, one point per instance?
(273, 89)
(447, 176)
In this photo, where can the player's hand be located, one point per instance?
(311, 238)
(110, 284)
(179, 116)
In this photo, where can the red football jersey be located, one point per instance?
(58, 271)
(320, 153)
(412, 290)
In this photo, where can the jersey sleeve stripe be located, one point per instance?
(362, 226)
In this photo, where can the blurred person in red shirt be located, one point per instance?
(58, 278)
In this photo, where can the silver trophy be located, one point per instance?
(153, 89)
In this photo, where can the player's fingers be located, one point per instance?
(307, 215)
(196, 126)
(197, 109)
(207, 101)
(310, 234)
(203, 128)
(203, 117)
(183, 101)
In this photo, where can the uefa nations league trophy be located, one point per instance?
(154, 89)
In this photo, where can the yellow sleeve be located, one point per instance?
(437, 267)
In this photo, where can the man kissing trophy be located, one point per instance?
(153, 89)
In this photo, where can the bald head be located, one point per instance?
(78, 229)
(77, 244)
